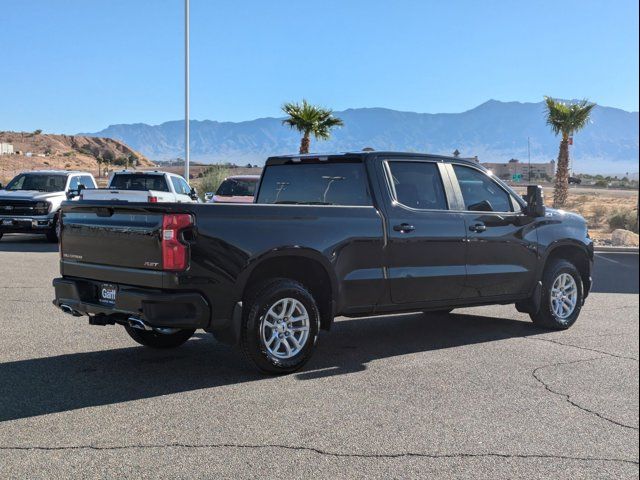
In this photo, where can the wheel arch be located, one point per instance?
(576, 253)
(307, 266)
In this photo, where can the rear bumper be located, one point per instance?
(158, 308)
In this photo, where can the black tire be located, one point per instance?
(150, 338)
(52, 235)
(545, 317)
(256, 306)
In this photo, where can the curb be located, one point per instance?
(609, 249)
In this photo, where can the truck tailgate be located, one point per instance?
(114, 235)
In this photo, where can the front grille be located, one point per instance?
(18, 207)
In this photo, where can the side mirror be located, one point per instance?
(535, 201)
(72, 194)
(193, 194)
(80, 188)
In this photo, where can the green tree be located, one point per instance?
(310, 120)
(565, 119)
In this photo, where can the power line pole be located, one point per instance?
(186, 90)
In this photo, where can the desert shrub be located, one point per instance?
(626, 219)
(598, 215)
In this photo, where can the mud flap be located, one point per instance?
(532, 304)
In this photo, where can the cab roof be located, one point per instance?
(364, 156)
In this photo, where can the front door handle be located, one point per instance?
(478, 227)
(404, 228)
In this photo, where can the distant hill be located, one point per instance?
(495, 131)
(43, 151)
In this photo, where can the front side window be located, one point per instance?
(129, 181)
(315, 184)
(73, 183)
(186, 189)
(418, 185)
(479, 192)
(87, 181)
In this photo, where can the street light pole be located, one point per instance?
(529, 153)
(186, 90)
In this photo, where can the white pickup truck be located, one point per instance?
(154, 187)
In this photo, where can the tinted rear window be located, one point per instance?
(233, 187)
(139, 182)
(315, 184)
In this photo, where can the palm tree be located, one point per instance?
(310, 120)
(565, 119)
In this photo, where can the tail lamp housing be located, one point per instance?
(174, 252)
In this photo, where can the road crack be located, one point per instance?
(557, 342)
(567, 397)
(320, 451)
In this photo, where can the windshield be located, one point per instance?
(129, 181)
(232, 187)
(39, 182)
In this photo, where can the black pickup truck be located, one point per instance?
(351, 234)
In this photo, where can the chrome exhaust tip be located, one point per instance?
(138, 323)
(70, 311)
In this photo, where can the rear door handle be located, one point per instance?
(478, 227)
(404, 228)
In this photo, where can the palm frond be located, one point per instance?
(310, 119)
(567, 118)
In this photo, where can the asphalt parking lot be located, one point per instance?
(479, 394)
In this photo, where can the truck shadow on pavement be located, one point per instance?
(62, 383)
(26, 244)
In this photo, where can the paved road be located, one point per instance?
(480, 394)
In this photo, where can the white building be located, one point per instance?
(6, 148)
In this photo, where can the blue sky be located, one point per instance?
(79, 65)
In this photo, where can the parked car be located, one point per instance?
(354, 234)
(155, 187)
(30, 203)
(236, 189)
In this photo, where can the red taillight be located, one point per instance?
(152, 199)
(174, 253)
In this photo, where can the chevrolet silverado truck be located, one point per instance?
(135, 186)
(30, 203)
(352, 234)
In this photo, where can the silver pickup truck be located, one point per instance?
(30, 203)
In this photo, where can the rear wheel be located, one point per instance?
(561, 298)
(280, 326)
(159, 337)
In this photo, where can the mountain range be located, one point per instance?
(495, 131)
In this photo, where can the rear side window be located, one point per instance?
(480, 192)
(315, 184)
(418, 185)
(139, 182)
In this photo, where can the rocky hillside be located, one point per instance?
(77, 152)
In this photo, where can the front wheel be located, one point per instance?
(54, 234)
(160, 337)
(280, 326)
(562, 294)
